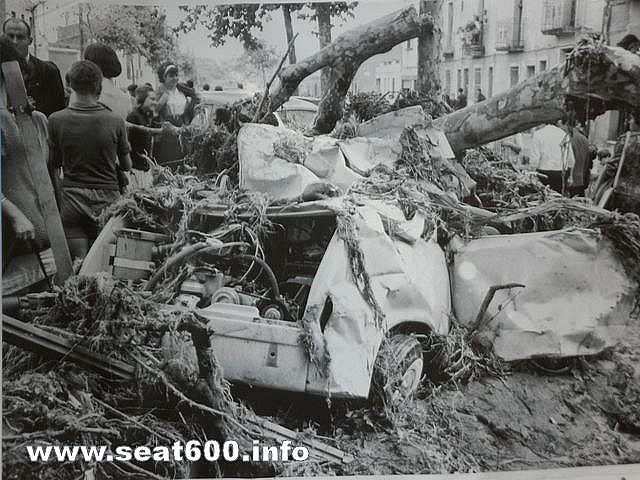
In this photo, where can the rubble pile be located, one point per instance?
(367, 105)
(171, 398)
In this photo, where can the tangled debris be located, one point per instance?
(180, 393)
(367, 105)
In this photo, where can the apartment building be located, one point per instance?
(495, 44)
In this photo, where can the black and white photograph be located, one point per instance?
(357, 239)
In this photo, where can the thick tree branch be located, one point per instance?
(608, 81)
(345, 54)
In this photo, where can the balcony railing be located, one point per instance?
(506, 39)
(474, 50)
(559, 17)
(472, 34)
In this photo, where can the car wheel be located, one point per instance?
(398, 369)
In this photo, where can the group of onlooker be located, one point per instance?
(93, 135)
(461, 100)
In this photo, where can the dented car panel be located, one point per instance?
(405, 273)
(406, 279)
(577, 298)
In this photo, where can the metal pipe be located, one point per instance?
(267, 269)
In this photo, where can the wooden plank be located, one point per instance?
(133, 264)
(98, 258)
(31, 153)
(316, 448)
(56, 347)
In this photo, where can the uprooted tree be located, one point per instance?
(594, 79)
(344, 55)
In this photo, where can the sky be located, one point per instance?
(306, 44)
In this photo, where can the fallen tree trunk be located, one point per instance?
(345, 55)
(605, 78)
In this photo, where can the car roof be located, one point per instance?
(221, 98)
(295, 103)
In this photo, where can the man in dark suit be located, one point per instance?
(42, 79)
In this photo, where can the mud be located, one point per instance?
(525, 420)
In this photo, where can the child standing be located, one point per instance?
(90, 143)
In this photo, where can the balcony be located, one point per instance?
(473, 50)
(559, 17)
(472, 34)
(508, 36)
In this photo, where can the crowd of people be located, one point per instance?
(461, 100)
(96, 140)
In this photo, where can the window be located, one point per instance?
(490, 82)
(409, 46)
(378, 84)
(514, 76)
(531, 71)
(477, 78)
(393, 84)
(543, 65)
(459, 84)
(466, 80)
(414, 84)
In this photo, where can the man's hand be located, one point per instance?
(23, 227)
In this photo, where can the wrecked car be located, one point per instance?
(296, 320)
(303, 318)
(306, 304)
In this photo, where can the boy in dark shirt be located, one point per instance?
(90, 143)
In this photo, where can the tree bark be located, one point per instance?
(429, 50)
(611, 80)
(345, 55)
(288, 28)
(323, 13)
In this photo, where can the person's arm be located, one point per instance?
(535, 153)
(124, 149)
(512, 145)
(56, 99)
(124, 162)
(54, 164)
(22, 226)
(164, 98)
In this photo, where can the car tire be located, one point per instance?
(398, 370)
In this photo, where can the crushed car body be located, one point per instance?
(341, 274)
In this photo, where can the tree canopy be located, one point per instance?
(134, 29)
(244, 21)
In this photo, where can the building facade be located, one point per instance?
(495, 44)
(58, 36)
(492, 45)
